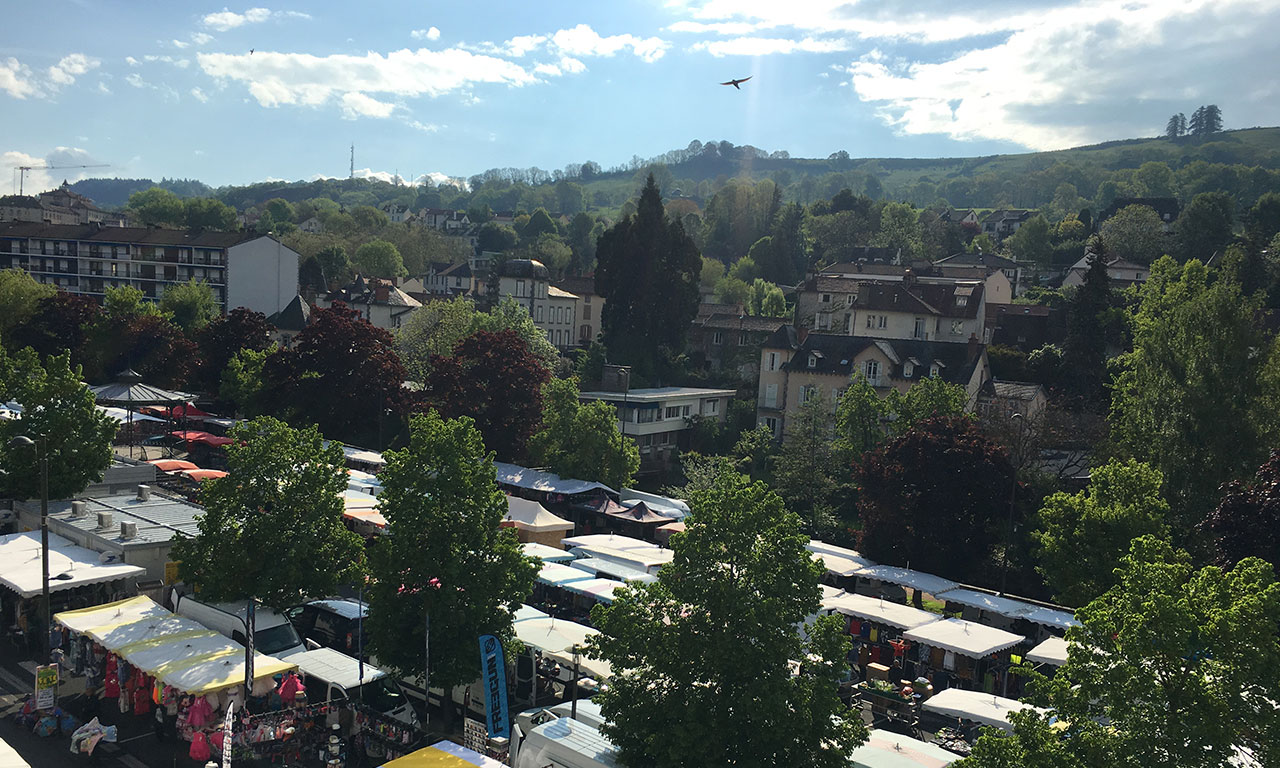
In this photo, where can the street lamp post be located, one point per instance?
(22, 441)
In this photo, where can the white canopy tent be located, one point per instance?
(612, 541)
(1051, 617)
(918, 580)
(1052, 651)
(559, 574)
(645, 560)
(70, 566)
(885, 749)
(545, 553)
(124, 415)
(879, 610)
(976, 706)
(559, 638)
(997, 604)
(545, 482)
(620, 571)
(600, 589)
(963, 637)
(532, 516)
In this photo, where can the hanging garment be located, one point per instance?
(289, 688)
(949, 660)
(199, 713)
(199, 748)
(142, 700)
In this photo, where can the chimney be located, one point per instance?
(79, 510)
(144, 493)
(908, 277)
(973, 348)
(381, 291)
(128, 531)
(104, 520)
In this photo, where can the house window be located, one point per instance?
(962, 301)
(908, 368)
(919, 332)
(771, 396)
(717, 338)
(584, 333)
(813, 361)
(871, 369)
(826, 298)
(773, 361)
(957, 327)
(710, 407)
(742, 339)
(586, 312)
(539, 313)
(673, 412)
(871, 321)
(882, 321)
(772, 424)
(520, 288)
(646, 415)
(933, 370)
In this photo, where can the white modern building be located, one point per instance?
(244, 269)
(659, 418)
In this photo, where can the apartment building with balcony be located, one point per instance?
(903, 306)
(243, 269)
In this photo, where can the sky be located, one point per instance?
(244, 93)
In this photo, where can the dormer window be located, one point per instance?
(933, 371)
(908, 368)
(813, 361)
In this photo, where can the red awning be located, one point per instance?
(187, 411)
(202, 474)
(196, 436)
(172, 465)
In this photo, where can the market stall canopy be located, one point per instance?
(644, 559)
(446, 754)
(176, 650)
(545, 482)
(363, 456)
(545, 553)
(879, 610)
(558, 638)
(187, 410)
(124, 415)
(70, 566)
(997, 604)
(892, 574)
(638, 513)
(172, 465)
(600, 589)
(11, 410)
(198, 436)
(529, 612)
(620, 571)
(532, 516)
(128, 389)
(1051, 617)
(976, 706)
(885, 749)
(821, 547)
(839, 565)
(558, 575)
(1052, 651)
(963, 637)
(611, 540)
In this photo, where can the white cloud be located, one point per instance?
(582, 40)
(431, 33)
(15, 79)
(135, 80)
(226, 19)
(764, 46)
(571, 65)
(70, 67)
(522, 44)
(103, 89)
(424, 127)
(179, 44)
(359, 105)
(550, 70)
(199, 95)
(274, 79)
(715, 27)
(131, 61)
(200, 38)
(1076, 75)
(38, 179)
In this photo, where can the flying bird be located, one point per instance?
(250, 51)
(735, 82)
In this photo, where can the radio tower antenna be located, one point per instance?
(353, 161)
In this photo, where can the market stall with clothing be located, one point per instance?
(955, 653)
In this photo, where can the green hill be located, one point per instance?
(1245, 163)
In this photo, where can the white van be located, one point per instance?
(272, 633)
(559, 742)
(331, 676)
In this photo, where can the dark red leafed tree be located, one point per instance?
(936, 498)
(343, 374)
(1246, 523)
(59, 324)
(493, 378)
(223, 337)
(158, 350)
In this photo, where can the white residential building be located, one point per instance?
(659, 418)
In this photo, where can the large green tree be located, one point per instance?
(1197, 396)
(702, 658)
(156, 206)
(1172, 667)
(207, 213)
(806, 473)
(272, 528)
(190, 304)
(446, 555)
(1135, 233)
(1204, 228)
(1081, 538)
(648, 270)
(581, 440)
(20, 298)
(865, 419)
(60, 415)
(379, 258)
(1085, 348)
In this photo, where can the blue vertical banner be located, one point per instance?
(494, 667)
